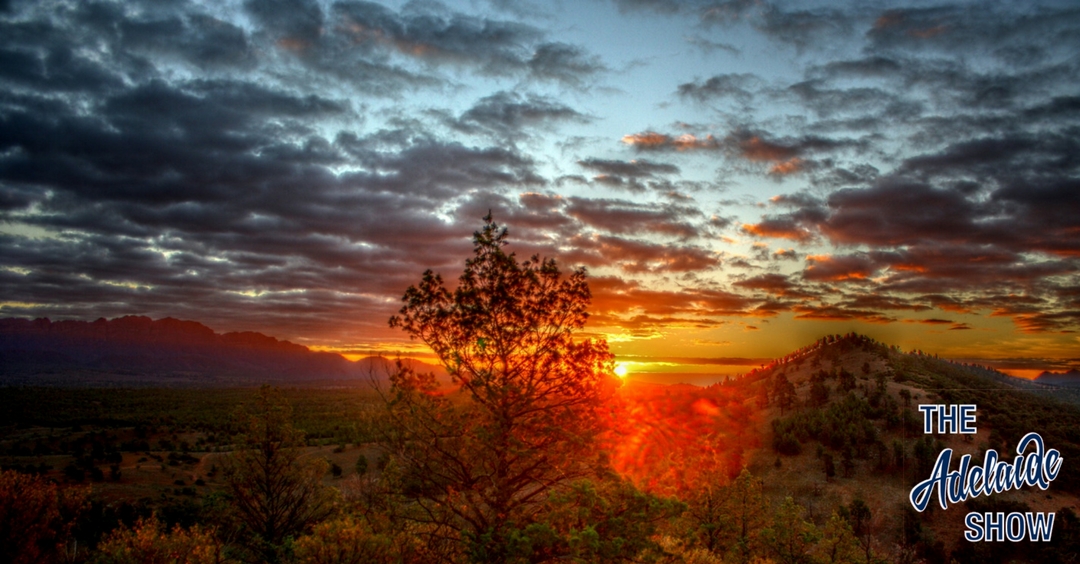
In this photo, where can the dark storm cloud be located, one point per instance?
(508, 115)
(739, 87)
(799, 27)
(708, 47)
(1018, 35)
(147, 182)
(564, 63)
(493, 47)
(986, 197)
(640, 168)
(200, 39)
(839, 313)
(804, 28)
(617, 298)
(775, 284)
(879, 301)
(639, 257)
(1023, 216)
(620, 216)
(943, 158)
(785, 155)
(833, 268)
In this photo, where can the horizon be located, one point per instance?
(671, 370)
(739, 178)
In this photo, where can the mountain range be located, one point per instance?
(140, 351)
(1067, 379)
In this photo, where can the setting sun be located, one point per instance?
(620, 370)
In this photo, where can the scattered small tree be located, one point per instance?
(149, 542)
(784, 392)
(839, 545)
(858, 514)
(790, 537)
(747, 510)
(348, 541)
(277, 493)
(36, 517)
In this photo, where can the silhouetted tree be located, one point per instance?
(481, 469)
(276, 492)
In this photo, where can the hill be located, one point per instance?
(840, 421)
(139, 351)
(1062, 379)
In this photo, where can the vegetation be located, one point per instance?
(275, 493)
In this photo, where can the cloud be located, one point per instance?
(509, 116)
(653, 141)
(494, 47)
(740, 87)
(838, 268)
(195, 167)
(564, 63)
(709, 47)
(786, 254)
(837, 313)
(620, 216)
(640, 168)
(639, 257)
(775, 284)
(617, 297)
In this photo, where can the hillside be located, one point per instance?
(847, 428)
(139, 351)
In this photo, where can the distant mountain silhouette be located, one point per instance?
(1070, 378)
(137, 350)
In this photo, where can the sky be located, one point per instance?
(739, 177)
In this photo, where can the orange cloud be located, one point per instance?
(787, 254)
(790, 166)
(829, 268)
(779, 229)
(757, 149)
(615, 296)
(651, 140)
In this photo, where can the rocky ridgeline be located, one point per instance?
(141, 351)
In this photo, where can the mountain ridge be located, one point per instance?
(140, 351)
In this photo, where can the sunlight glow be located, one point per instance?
(620, 370)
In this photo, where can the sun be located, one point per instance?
(620, 370)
